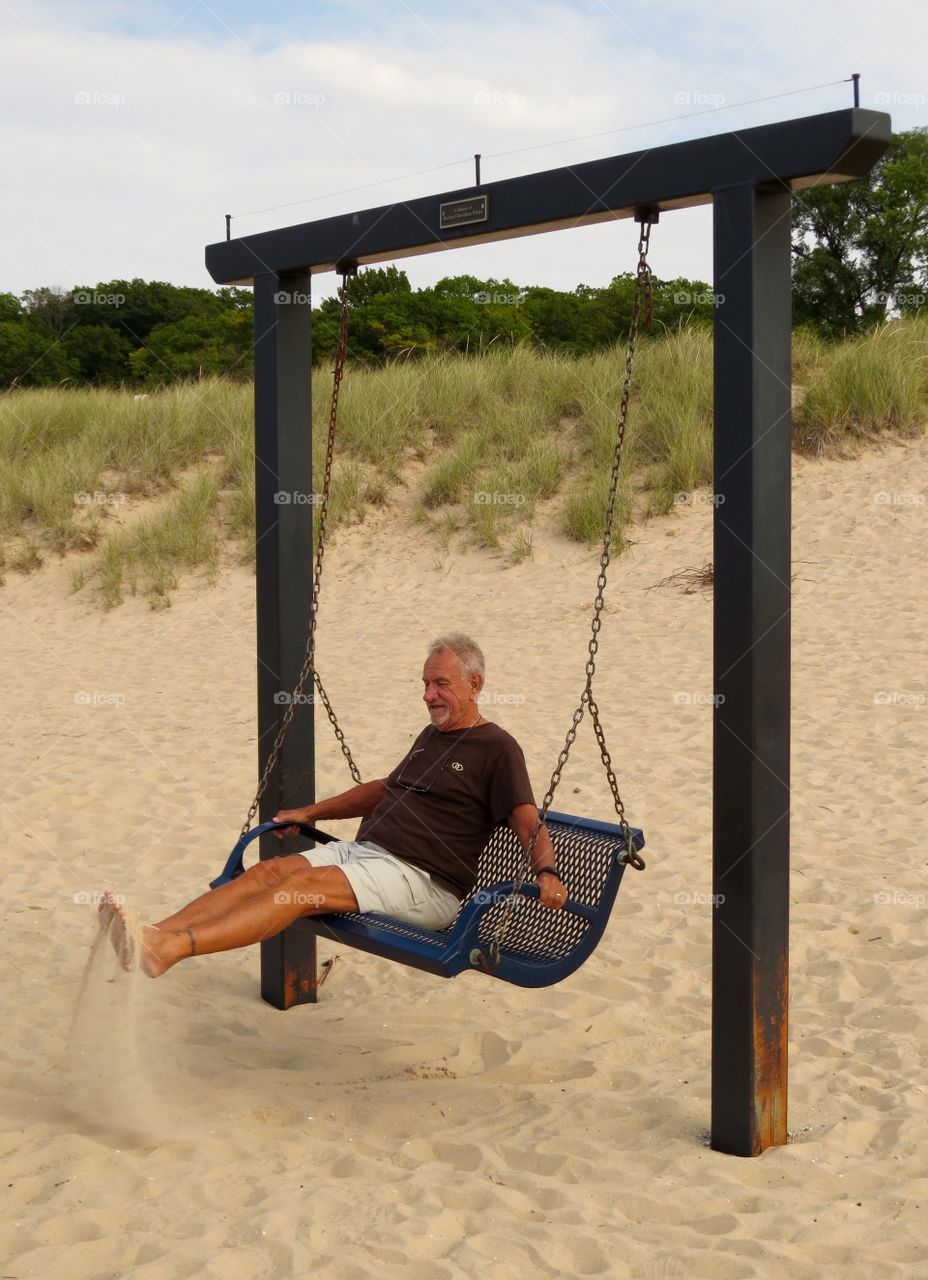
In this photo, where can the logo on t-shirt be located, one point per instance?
(457, 766)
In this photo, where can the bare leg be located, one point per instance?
(217, 902)
(306, 891)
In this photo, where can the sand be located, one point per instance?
(410, 1126)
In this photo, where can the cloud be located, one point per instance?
(125, 147)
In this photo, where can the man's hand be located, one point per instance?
(292, 815)
(551, 891)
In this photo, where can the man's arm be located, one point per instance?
(356, 803)
(523, 820)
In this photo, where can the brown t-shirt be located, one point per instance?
(445, 797)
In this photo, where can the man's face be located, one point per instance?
(450, 697)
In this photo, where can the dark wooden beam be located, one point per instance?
(284, 531)
(830, 147)
(750, 959)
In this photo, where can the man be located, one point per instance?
(415, 854)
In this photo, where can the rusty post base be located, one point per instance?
(289, 973)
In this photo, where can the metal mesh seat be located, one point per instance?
(541, 946)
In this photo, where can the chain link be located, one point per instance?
(309, 659)
(643, 297)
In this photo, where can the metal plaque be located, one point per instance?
(460, 213)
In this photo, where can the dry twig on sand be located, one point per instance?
(689, 581)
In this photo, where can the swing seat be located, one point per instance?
(541, 946)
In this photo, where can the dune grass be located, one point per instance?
(864, 387)
(146, 556)
(66, 454)
(669, 431)
(809, 352)
(475, 444)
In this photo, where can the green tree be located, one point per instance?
(592, 318)
(106, 329)
(196, 346)
(860, 249)
(467, 313)
(10, 307)
(383, 321)
(30, 356)
(50, 308)
(373, 281)
(556, 319)
(98, 353)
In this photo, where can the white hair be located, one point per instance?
(467, 651)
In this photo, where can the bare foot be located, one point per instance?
(162, 948)
(106, 909)
(152, 949)
(121, 935)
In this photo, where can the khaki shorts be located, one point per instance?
(384, 883)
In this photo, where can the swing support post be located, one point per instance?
(751, 601)
(284, 521)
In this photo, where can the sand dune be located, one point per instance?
(409, 1126)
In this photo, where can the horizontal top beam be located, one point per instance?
(831, 147)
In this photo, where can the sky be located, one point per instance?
(131, 130)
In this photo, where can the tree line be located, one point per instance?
(860, 255)
(149, 333)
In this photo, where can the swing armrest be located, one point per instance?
(235, 864)
(468, 923)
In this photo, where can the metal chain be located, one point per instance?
(296, 697)
(337, 729)
(643, 296)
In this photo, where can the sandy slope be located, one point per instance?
(407, 1126)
